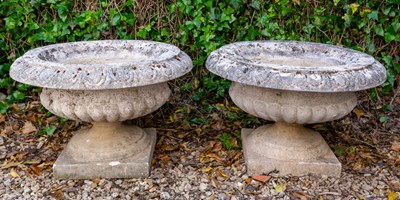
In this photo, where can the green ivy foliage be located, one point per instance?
(199, 27)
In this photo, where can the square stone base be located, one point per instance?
(137, 166)
(261, 164)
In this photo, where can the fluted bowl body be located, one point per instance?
(292, 106)
(105, 105)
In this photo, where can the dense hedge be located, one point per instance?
(198, 27)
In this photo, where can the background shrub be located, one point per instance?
(199, 27)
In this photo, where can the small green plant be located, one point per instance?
(225, 139)
(48, 130)
(230, 142)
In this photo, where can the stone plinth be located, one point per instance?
(290, 150)
(98, 160)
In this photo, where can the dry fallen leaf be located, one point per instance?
(51, 119)
(237, 123)
(169, 147)
(212, 197)
(234, 142)
(182, 135)
(261, 178)
(214, 156)
(30, 162)
(15, 107)
(213, 182)
(27, 173)
(198, 131)
(28, 128)
(302, 196)
(6, 130)
(217, 147)
(207, 169)
(36, 170)
(45, 164)
(248, 181)
(59, 195)
(218, 126)
(95, 181)
(58, 188)
(395, 146)
(10, 164)
(359, 113)
(32, 117)
(392, 195)
(14, 173)
(164, 159)
(210, 144)
(280, 188)
(2, 118)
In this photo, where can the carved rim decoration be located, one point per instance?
(297, 66)
(96, 65)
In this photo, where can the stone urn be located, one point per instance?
(293, 83)
(104, 82)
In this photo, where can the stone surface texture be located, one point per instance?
(297, 66)
(105, 82)
(105, 105)
(293, 83)
(97, 65)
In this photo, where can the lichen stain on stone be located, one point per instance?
(114, 163)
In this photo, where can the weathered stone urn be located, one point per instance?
(104, 82)
(293, 83)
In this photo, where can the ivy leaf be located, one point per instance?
(347, 18)
(335, 2)
(10, 23)
(49, 130)
(379, 30)
(255, 4)
(396, 67)
(354, 7)
(208, 3)
(115, 19)
(18, 95)
(62, 11)
(339, 150)
(22, 87)
(389, 37)
(373, 15)
(33, 26)
(384, 119)
(396, 25)
(3, 108)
